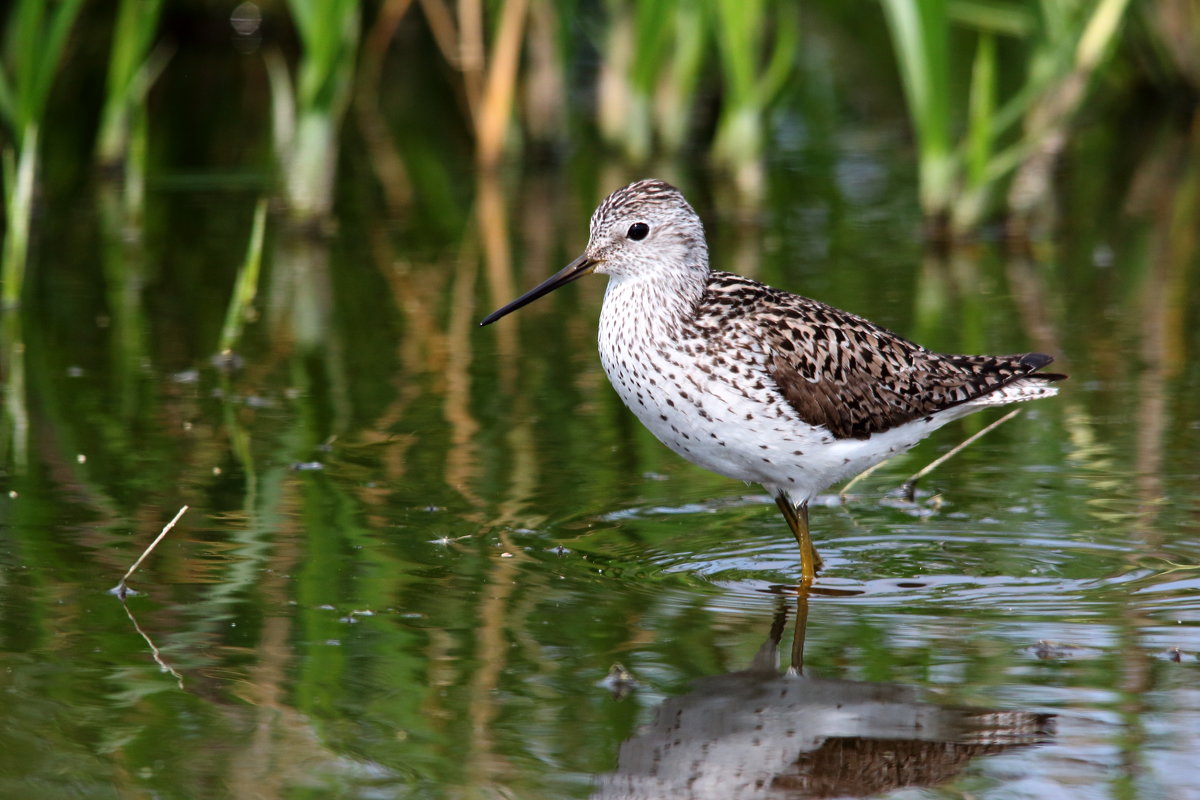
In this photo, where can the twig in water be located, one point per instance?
(121, 590)
(154, 651)
(909, 487)
(844, 492)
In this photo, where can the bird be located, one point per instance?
(759, 384)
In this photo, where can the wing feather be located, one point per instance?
(845, 373)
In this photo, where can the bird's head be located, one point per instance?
(646, 230)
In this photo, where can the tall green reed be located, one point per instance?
(245, 290)
(1072, 44)
(679, 76)
(34, 45)
(33, 48)
(654, 61)
(751, 82)
(921, 38)
(638, 49)
(308, 114)
(133, 67)
(20, 169)
(964, 164)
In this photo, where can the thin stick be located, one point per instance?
(910, 485)
(844, 492)
(121, 588)
(154, 651)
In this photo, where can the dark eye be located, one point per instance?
(638, 231)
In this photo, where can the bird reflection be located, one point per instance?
(763, 733)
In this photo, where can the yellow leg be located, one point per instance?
(797, 520)
(801, 629)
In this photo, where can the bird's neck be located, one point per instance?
(665, 298)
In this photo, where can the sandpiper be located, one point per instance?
(759, 384)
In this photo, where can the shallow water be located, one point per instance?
(415, 549)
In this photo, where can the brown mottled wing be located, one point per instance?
(852, 376)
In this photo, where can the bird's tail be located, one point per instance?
(1026, 384)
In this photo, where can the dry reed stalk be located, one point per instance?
(121, 589)
(910, 485)
(495, 106)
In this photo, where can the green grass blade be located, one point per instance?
(51, 49)
(132, 69)
(652, 43)
(245, 289)
(34, 49)
(20, 174)
(920, 33)
(782, 63)
(22, 46)
(7, 109)
(1003, 18)
(676, 88)
(981, 110)
(735, 37)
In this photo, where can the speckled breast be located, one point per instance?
(726, 417)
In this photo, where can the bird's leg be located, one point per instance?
(801, 628)
(797, 520)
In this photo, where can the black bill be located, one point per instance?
(576, 269)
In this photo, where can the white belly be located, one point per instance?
(737, 425)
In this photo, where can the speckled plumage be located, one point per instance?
(756, 383)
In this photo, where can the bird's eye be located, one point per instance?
(638, 231)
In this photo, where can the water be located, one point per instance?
(415, 549)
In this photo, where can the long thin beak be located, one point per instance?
(576, 269)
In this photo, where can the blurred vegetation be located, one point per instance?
(33, 41)
(994, 88)
(1061, 45)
